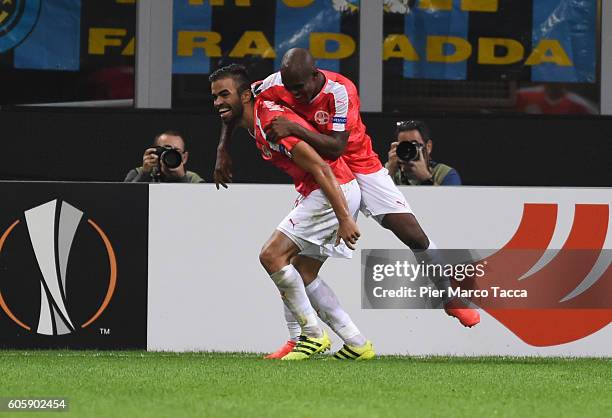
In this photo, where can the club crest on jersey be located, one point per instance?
(321, 117)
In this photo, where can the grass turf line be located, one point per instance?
(139, 384)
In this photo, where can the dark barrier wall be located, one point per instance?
(103, 145)
(514, 150)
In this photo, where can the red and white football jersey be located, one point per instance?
(279, 154)
(334, 109)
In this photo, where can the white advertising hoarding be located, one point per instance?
(207, 290)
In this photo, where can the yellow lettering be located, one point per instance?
(436, 4)
(480, 5)
(319, 42)
(253, 43)
(298, 3)
(486, 51)
(435, 49)
(466, 5)
(399, 46)
(188, 41)
(239, 3)
(100, 38)
(3, 16)
(129, 49)
(549, 50)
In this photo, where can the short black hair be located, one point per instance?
(171, 133)
(413, 125)
(236, 71)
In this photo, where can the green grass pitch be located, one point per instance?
(139, 384)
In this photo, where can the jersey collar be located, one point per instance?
(320, 93)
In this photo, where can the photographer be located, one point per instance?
(164, 162)
(410, 160)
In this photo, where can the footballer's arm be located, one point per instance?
(329, 146)
(308, 160)
(223, 165)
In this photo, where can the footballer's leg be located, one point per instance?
(408, 230)
(326, 304)
(294, 329)
(382, 200)
(275, 257)
(315, 236)
(293, 326)
(309, 272)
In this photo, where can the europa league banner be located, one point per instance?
(256, 33)
(73, 274)
(493, 40)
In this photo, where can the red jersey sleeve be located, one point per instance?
(353, 119)
(340, 105)
(266, 111)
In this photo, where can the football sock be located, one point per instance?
(293, 326)
(432, 256)
(289, 283)
(327, 305)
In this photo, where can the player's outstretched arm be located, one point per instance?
(223, 165)
(328, 146)
(308, 159)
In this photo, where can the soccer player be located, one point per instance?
(330, 103)
(323, 217)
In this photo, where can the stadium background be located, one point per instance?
(79, 51)
(85, 85)
(503, 150)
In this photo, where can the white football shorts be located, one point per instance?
(312, 224)
(380, 195)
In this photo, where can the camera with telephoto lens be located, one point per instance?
(170, 157)
(408, 151)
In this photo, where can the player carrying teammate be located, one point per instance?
(329, 102)
(301, 243)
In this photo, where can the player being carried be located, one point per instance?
(301, 243)
(330, 102)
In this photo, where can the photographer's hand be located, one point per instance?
(392, 164)
(419, 170)
(149, 160)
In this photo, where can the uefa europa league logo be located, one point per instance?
(51, 230)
